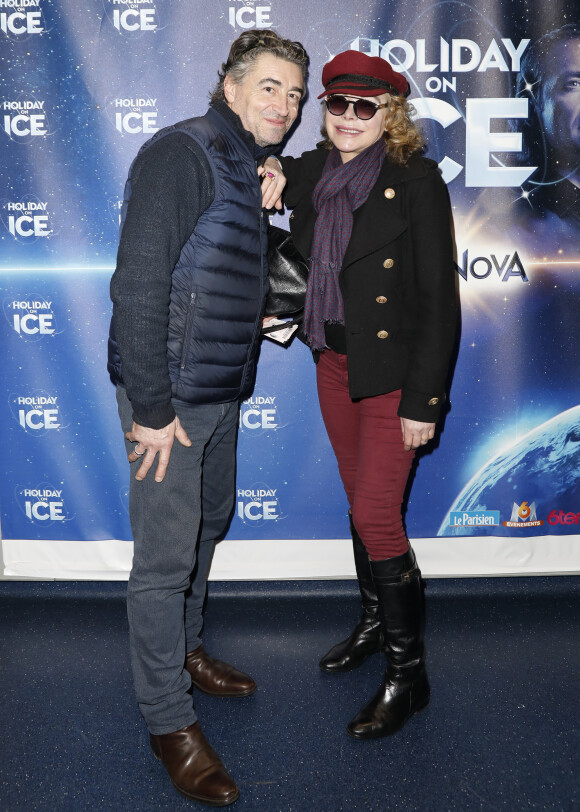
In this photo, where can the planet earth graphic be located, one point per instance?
(541, 469)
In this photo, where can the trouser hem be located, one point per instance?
(172, 728)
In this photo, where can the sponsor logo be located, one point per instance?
(31, 317)
(132, 17)
(27, 219)
(485, 136)
(524, 515)
(446, 56)
(20, 19)
(258, 504)
(474, 518)
(24, 119)
(42, 504)
(504, 267)
(259, 414)
(560, 517)
(36, 414)
(249, 14)
(134, 116)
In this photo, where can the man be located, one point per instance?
(550, 79)
(188, 294)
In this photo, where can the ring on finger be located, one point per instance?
(139, 453)
(270, 175)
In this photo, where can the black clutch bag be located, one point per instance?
(288, 274)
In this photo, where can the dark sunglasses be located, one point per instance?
(363, 108)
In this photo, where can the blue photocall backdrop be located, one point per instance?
(83, 85)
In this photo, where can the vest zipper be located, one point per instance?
(258, 323)
(188, 329)
(262, 252)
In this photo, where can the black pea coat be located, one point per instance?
(398, 280)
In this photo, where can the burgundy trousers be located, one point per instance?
(367, 439)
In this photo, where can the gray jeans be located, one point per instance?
(175, 525)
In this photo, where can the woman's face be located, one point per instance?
(351, 135)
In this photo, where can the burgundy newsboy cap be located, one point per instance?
(358, 74)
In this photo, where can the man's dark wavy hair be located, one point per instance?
(248, 47)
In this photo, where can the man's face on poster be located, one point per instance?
(560, 106)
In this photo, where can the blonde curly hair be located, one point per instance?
(402, 136)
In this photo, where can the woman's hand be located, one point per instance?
(273, 183)
(416, 434)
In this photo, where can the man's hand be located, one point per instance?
(151, 442)
(273, 183)
(415, 433)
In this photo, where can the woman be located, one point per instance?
(373, 217)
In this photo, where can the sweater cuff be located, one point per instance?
(426, 408)
(153, 417)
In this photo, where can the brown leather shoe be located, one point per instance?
(215, 677)
(194, 767)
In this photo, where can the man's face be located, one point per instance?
(268, 99)
(560, 110)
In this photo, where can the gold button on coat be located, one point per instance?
(388, 263)
(433, 402)
(389, 193)
(382, 334)
(381, 299)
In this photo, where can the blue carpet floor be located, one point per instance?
(501, 731)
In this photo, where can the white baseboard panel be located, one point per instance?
(295, 559)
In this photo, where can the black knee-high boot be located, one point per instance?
(405, 688)
(367, 637)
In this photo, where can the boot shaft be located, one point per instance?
(402, 613)
(364, 574)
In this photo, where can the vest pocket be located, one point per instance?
(188, 329)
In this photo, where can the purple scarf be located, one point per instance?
(341, 189)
